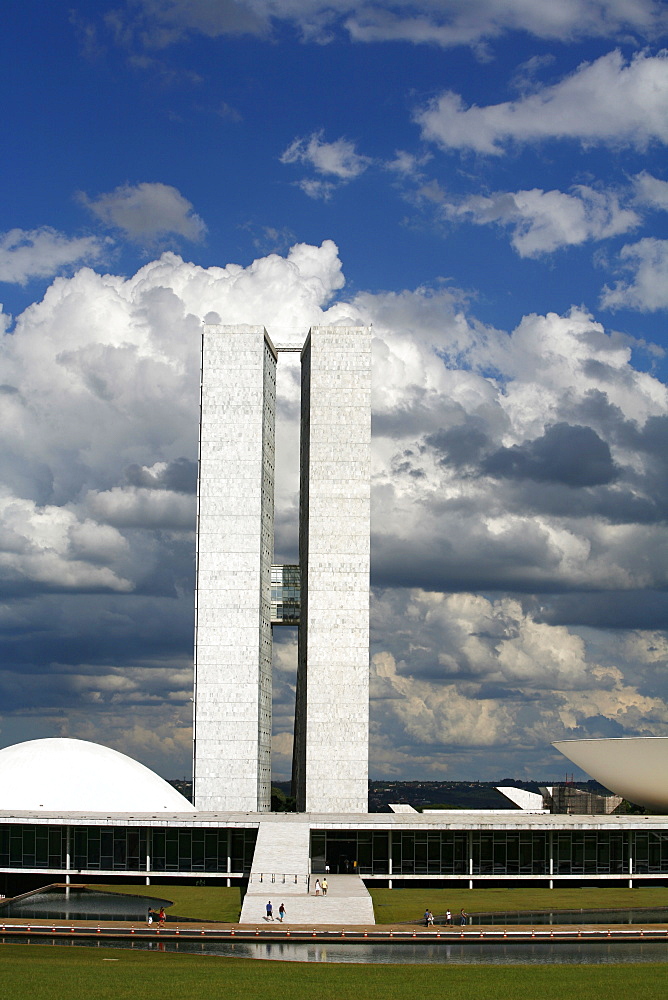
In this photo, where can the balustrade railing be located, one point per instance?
(279, 878)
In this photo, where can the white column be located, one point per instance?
(389, 854)
(68, 859)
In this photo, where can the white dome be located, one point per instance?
(635, 767)
(59, 775)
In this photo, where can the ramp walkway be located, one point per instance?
(280, 873)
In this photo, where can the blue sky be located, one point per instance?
(485, 183)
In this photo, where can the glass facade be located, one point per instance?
(421, 853)
(23, 846)
(430, 852)
(516, 852)
(126, 848)
(491, 852)
(591, 853)
(650, 851)
(285, 595)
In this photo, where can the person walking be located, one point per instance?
(149, 918)
(317, 887)
(161, 917)
(281, 912)
(426, 918)
(270, 911)
(430, 919)
(448, 917)
(462, 918)
(324, 887)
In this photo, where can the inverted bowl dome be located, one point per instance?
(60, 775)
(635, 767)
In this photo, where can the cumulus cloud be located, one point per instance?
(543, 221)
(99, 404)
(147, 211)
(527, 480)
(610, 102)
(141, 508)
(529, 464)
(179, 475)
(43, 252)
(573, 455)
(647, 289)
(470, 675)
(47, 547)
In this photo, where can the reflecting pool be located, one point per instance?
(81, 904)
(635, 915)
(520, 953)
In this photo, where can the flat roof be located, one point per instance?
(450, 820)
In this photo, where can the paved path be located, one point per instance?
(347, 903)
(61, 933)
(280, 874)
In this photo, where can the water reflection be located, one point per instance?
(520, 953)
(637, 915)
(82, 904)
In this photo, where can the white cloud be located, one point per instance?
(607, 102)
(127, 507)
(449, 24)
(521, 462)
(336, 159)
(543, 221)
(147, 211)
(98, 402)
(318, 190)
(468, 673)
(444, 508)
(647, 291)
(407, 165)
(438, 22)
(651, 191)
(50, 547)
(41, 253)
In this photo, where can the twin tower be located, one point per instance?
(235, 542)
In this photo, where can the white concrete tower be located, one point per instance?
(235, 512)
(330, 764)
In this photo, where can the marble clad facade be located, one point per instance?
(235, 537)
(232, 702)
(330, 767)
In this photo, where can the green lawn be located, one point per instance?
(396, 905)
(53, 973)
(195, 901)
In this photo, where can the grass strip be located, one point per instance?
(398, 905)
(52, 973)
(197, 902)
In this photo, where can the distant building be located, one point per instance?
(577, 802)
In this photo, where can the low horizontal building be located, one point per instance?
(73, 811)
(37, 848)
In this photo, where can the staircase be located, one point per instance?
(280, 874)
